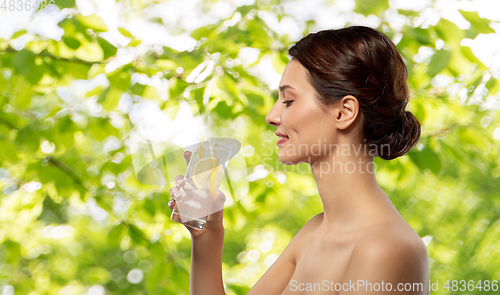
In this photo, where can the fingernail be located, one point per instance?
(180, 181)
(176, 196)
(170, 203)
(221, 196)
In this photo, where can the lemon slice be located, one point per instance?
(216, 179)
(201, 146)
(202, 171)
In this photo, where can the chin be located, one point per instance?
(290, 159)
(288, 154)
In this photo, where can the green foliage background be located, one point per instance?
(61, 231)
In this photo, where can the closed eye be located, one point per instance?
(288, 102)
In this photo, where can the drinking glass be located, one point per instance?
(203, 177)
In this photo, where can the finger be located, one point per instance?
(179, 180)
(175, 193)
(173, 207)
(171, 204)
(217, 208)
(187, 156)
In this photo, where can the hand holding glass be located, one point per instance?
(204, 174)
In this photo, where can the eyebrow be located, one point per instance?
(284, 87)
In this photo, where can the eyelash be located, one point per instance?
(288, 102)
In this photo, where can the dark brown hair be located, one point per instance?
(364, 63)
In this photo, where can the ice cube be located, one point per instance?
(193, 204)
(188, 185)
(201, 194)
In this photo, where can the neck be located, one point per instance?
(349, 190)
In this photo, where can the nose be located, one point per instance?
(273, 118)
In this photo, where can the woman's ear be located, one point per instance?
(346, 112)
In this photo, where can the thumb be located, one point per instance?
(187, 156)
(217, 208)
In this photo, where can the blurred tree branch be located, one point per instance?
(56, 163)
(53, 161)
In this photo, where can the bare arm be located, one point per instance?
(206, 265)
(206, 246)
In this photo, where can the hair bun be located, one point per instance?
(404, 137)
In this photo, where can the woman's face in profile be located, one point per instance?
(297, 115)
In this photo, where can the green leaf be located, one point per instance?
(245, 9)
(104, 202)
(375, 7)
(126, 33)
(120, 79)
(28, 139)
(20, 92)
(101, 128)
(18, 34)
(151, 93)
(135, 42)
(110, 98)
(90, 52)
(66, 125)
(13, 252)
(23, 61)
(156, 274)
(76, 70)
(115, 235)
(137, 89)
(204, 32)
(150, 207)
(95, 275)
(449, 32)
(108, 49)
(493, 86)
(72, 43)
(479, 24)
(467, 52)
(52, 212)
(261, 198)
(65, 3)
(37, 73)
(8, 152)
(439, 61)
(176, 87)
(93, 22)
(64, 135)
(69, 25)
(258, 36)
(278, 61)
(137, 235)
(426, 159)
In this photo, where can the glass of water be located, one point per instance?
(204, 174)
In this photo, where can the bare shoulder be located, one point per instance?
(313, 223)
(397, 243)
(309, 227)
(303, 235)
(394, 254)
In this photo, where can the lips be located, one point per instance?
(282, 140)
(279, 134)
(282, 137)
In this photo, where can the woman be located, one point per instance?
(342, 100)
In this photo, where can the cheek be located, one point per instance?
(309, 123)
(315, 129)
